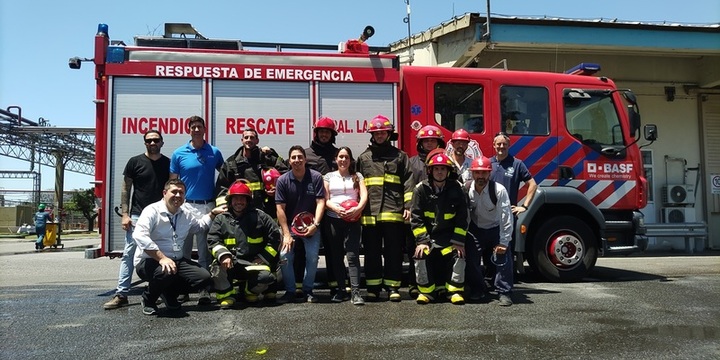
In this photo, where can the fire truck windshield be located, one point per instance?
(591, 117)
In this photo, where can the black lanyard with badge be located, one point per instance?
(176, 247)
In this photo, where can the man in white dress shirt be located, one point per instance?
(160, 234)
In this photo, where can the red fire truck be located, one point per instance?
(577, 133)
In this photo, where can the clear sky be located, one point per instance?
(38, 37)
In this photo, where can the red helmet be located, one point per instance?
(349, 204)
(326, 123)
(439, 159)
(430, 132)
(481, 164)
(301, 222)
(380, 123)
(460, 134)
(269, 178)
(239, 187)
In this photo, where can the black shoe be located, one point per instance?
(183, 298)
(339, 296)
(148, 309)
(289, 297)
(204, 298)
(171, 303)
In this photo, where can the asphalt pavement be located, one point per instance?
(650, 306)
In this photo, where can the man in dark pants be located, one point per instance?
(160, 233)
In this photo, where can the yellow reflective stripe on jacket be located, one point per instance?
(216, 249)
(229, 241)
(257, 240)
(255, 186)
(419, 231)
(257, 268)
(460, 231)
(367, 220)
(271, 250)
(448, 216)
(373, 282)
(446, 250)
(407, 197)
(386, 216)
(374, 181)
(392, 178)
(429, 214)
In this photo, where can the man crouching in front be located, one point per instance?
(160, 233)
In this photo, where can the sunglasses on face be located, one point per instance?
(153, 141)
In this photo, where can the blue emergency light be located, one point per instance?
(584, 69)
(102, 29)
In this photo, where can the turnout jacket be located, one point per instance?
(441, 219)
(321, 158)
(252, 235)
(389, 183)
(237, 166)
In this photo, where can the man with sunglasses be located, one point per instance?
(195, 163)
(145, 176)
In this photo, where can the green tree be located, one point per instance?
(84, 201)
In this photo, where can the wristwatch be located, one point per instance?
(317, 224)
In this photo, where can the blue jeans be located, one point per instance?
(40, 231)
(488, 239)
(312, 249)
(126, 263)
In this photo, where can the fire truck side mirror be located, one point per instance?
(650, 132)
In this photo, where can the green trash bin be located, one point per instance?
(51, 230)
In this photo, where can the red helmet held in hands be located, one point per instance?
(301, 223)
(349, 204)
(481, 164)
(380, 123)
(269, 178)
(326, 123)
(239, 187)
(460, 134)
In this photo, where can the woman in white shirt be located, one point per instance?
(345, 198)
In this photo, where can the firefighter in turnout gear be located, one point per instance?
(389, 185)
(248, 163)
(429, 138)
(244, 242)
(439, 223)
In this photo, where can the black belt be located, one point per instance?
(199, 201)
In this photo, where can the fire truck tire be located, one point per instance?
(564, 249)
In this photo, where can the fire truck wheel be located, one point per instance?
(564, 249)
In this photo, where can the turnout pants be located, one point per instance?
(383, 243)
(439, 270)
(257, 278)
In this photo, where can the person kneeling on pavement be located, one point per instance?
(244, 242)
(160, 233)
(439, 222)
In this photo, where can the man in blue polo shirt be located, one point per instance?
(195, 164)
(296, 191)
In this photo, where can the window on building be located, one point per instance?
(459, 106)
(524, 110)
